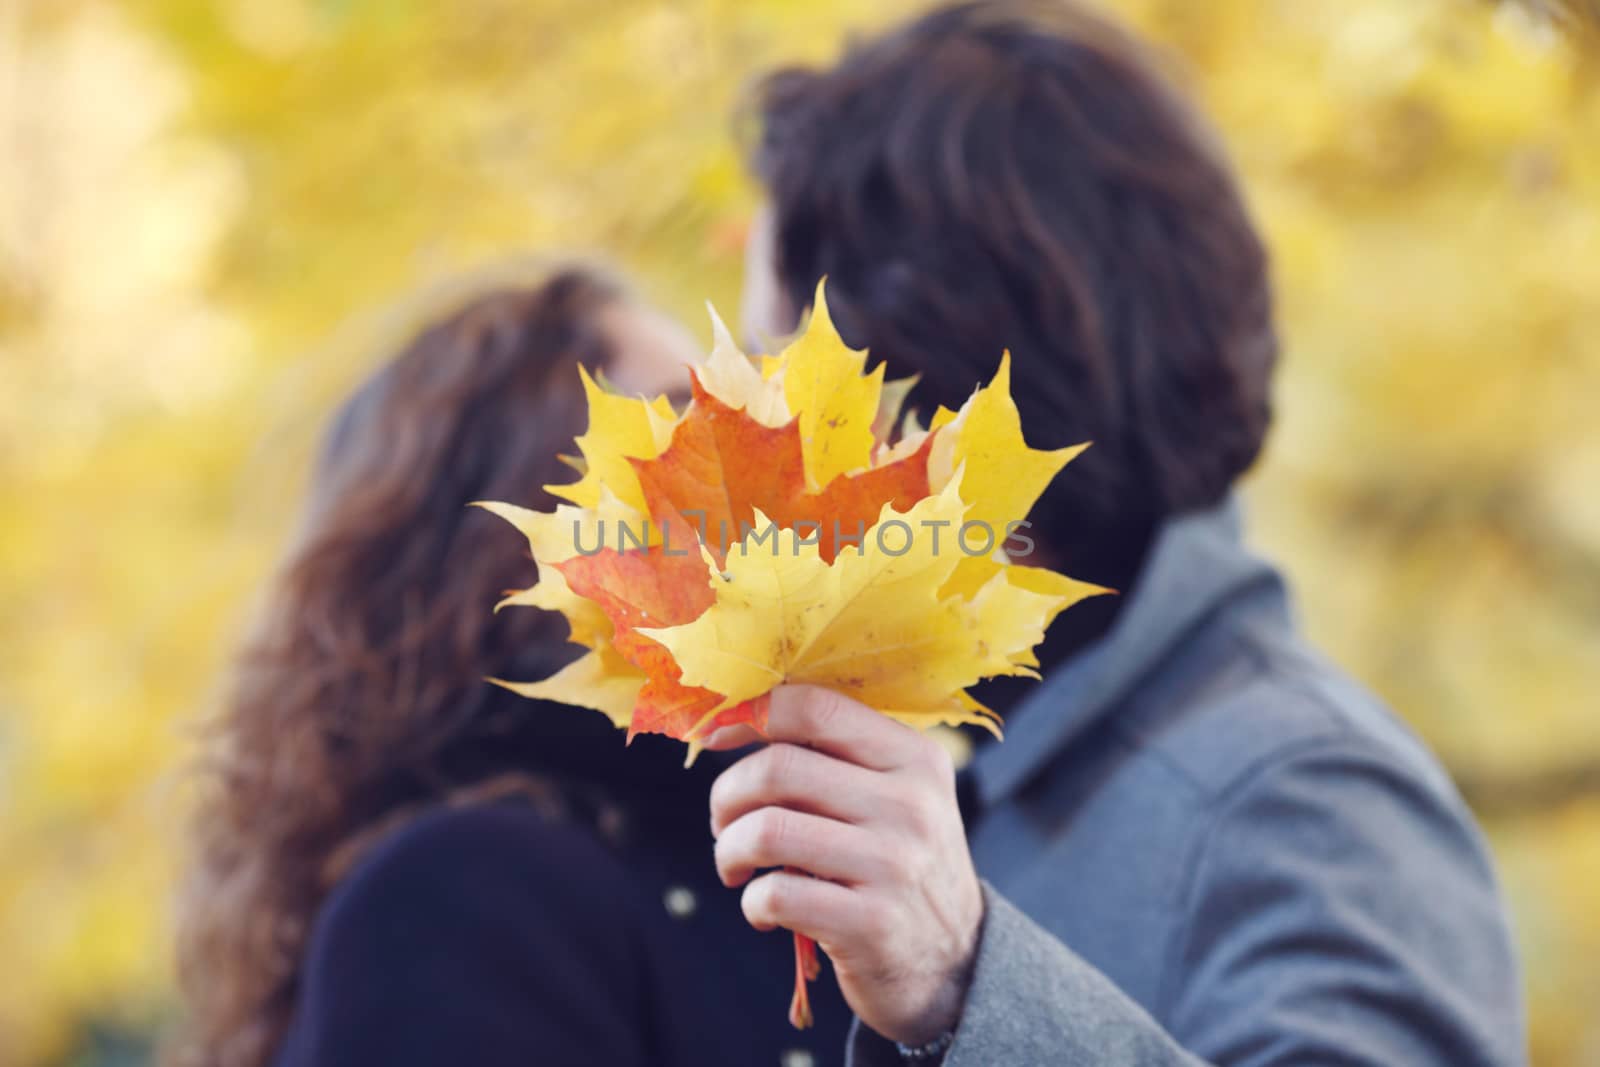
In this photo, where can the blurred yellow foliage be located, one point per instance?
(197, 196)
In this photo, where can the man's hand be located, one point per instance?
(867, 806)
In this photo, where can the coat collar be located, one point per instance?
(1197, 562)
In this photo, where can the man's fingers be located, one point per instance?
(731, 737)
(778, 837)
(821, 910)
(790, 776)
(834, 723)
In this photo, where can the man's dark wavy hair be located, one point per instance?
(1020, 175)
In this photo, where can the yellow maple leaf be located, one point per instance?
(728, 375)
(1004, 476)
(620, 428)
(600, 679)
(873, 624)
(557, 536)
(826, 385)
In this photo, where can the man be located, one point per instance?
(1200, 843)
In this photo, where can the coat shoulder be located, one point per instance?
(488, 927)
(464, 876)
(1248, 694)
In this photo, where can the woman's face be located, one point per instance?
(651, 351)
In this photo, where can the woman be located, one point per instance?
(400, 864)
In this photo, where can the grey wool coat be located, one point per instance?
(1203, 844)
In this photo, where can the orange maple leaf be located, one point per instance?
(723, 466)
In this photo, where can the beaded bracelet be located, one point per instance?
(931, 1052)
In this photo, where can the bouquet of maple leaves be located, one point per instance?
(779, 530)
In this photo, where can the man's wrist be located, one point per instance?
(939, 1022)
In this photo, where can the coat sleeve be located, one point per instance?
(482, 936)
(1340, 910)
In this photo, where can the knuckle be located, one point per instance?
(772, 830)
(825, 709)
(778, 767)
(764, 900)
(778, 896)
(754, 903)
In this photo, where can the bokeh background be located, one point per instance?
(215, 215)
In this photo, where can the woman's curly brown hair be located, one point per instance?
(366, 669)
